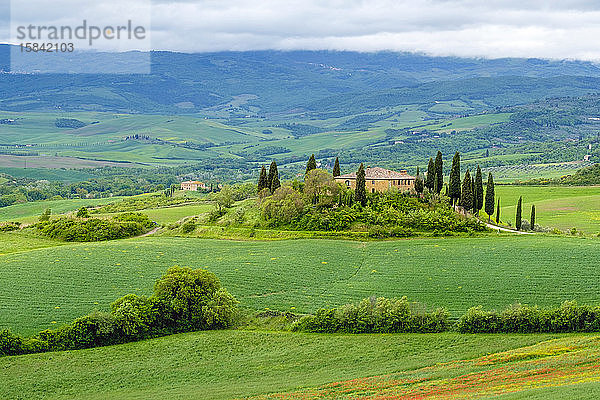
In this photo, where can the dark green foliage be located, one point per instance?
(466, 199)
(489, 196)
(82, 213)
(96, 229)
(532, 220)
(263, 182)
(419, 183)
(478, 191)
(70, 123)
(189, 226)
(9, 226)
(360, 193)
(454, 184)
(569, 317)
(336, 167)
(184, 300)
(430, 178)
(498, 211)
(439, 173)
(375, 315)
(45, 216)
(273, 177)
(518, 218)
(311, 164)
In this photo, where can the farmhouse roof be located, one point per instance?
(378, 173)
(196, 182)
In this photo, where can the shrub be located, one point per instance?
(82, 213)
(188, 226)
(569, 317)
(194, 300)
(96, 229)
(380, 315)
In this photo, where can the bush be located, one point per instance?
(189, 226)
(569, 317)
(194, 300)
(374, 315)
(96, 229)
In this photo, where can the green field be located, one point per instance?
(47, 287)
(29, 212)
(562, 207)
(232, 364)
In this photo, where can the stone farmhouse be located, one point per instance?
(380, 180)
(192, 185)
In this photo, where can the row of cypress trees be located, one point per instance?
(269, 181)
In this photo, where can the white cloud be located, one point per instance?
(488, 28)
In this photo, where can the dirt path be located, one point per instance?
(500, 228)
(153, 231)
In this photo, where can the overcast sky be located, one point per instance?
(490, 28)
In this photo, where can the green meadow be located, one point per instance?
(47, 287)
(234, 364)
(562, 207)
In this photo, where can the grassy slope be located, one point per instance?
(229, 364)
(302, 275)
(548, 370)
(562, 207)
(29, 212)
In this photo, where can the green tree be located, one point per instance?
(518, 218)
(194, 300)
(273, 177)
(532, 217)
(82, 213)
(311, 164)
(478, 191)
(321, 188)
(336, 168)
(454, 187)
(498, 211)
(430, 178)
(360, 193)
(489, 197)
(439, 173)
(466, 198)
(263, 183)
(45, 216)
(419, 183)
(224, 198)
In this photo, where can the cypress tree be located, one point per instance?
(429, 179)
(439, 172)
(336, 168)
(474, 205)
(489, 197)
(478, 191)
(311, 164)
(454, 187)
(498, 212)
(466, 198)
(262, 179)
(273, 177)
(533, 217)
(519, 211)
(360, 193)
(419, 183)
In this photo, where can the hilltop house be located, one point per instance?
(192, 185)
(380, 179)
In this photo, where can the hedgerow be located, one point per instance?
(184, 300)
(96, 229)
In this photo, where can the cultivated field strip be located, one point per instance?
(44, 288)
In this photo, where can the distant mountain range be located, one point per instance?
(263, 83)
